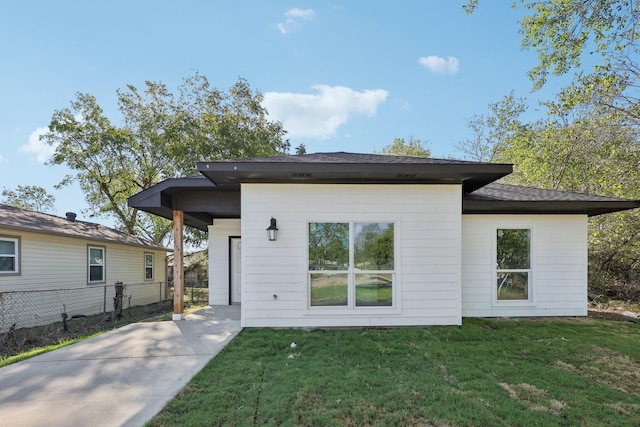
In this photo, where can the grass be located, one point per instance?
(487, 372)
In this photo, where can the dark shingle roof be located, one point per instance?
(505, 198)
(25, 220)
(219, 195)
(496, 191)
(345, 168)
(342, 157)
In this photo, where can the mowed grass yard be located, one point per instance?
(549, 372)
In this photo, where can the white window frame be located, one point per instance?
(103, 265)
(17, 258)
(531, 300)
(152, 266)
(351, 272)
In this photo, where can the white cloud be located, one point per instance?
(42, 151)
(293, 17)
(320, 115)
(307, 14)
(3, 159)
(440, 65)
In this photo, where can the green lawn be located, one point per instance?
(487, 372)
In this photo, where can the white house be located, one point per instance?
(377, 240)
(41, 252)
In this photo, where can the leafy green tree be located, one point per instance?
(566, 34)
(413, 148)
(328, 246)
(160, 135)
(493, 131)
(31, 197)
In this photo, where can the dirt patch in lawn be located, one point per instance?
(608, 367)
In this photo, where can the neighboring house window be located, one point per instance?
(9, 255)
(96, 257)
(148, 266)
(513, 264)
(351, 264)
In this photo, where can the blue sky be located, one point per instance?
(341, 76)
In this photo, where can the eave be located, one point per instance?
(499, 199)
(471, 175)
(199, 199)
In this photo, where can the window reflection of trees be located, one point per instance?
(328, 246)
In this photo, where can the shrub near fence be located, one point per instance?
(38, 307)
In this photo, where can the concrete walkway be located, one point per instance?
(121, 378)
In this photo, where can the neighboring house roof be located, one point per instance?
(216, 194)
(25, 220)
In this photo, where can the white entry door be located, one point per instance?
(236, 269)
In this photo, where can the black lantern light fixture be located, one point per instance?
(272, 230)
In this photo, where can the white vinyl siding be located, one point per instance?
(558, 266)
(40, 270)
(427, 225)
(219, 234)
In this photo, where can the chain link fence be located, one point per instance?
(38, 307)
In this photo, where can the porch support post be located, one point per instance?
(178, 266)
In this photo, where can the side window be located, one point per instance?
(513, 264)
(148, 266)
(9, 255)
(96, 264)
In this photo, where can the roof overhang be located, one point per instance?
(471, 175)
(199, 199)
(519, 207)
(216, 193)
(510, 199)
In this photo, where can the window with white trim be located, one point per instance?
(513, 264)
(96, 264)
(148, 266)
(351, 264)
(9, 255)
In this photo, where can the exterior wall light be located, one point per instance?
(272, 231)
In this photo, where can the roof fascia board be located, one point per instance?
(590, 208)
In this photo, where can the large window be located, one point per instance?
(148, 266)
(96, 268)
(513, 264)
(351, 264)
(9, 255)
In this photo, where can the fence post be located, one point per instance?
(117, 301)
(104, 303)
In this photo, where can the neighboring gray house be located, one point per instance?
(377, 240)
(41, 251)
